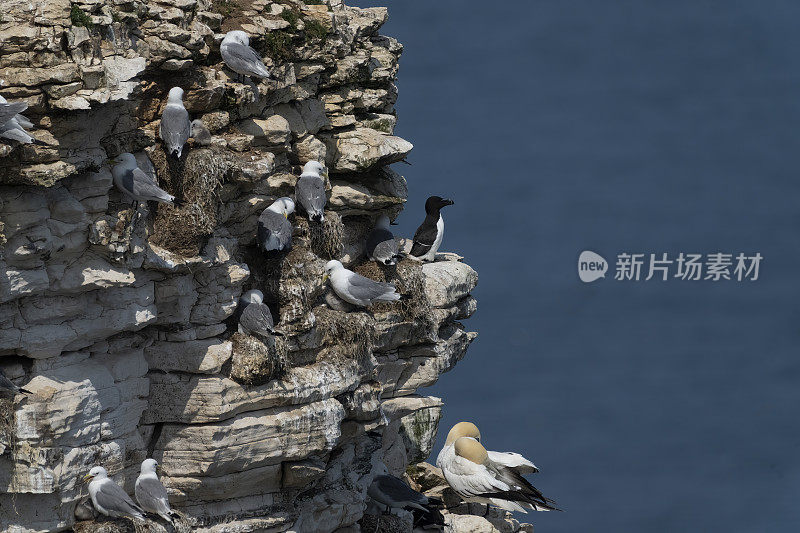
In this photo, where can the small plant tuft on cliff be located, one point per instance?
(315, 30)
(79, 18)
(291, 16)
(223, 7)
(314, 2)
(279, 45)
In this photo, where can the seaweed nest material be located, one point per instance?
(409, 280)
(350, 335)
(256, 361)
(327, 239)
(183, 230)
(7, 435)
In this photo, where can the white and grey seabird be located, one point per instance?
(429, 235)
(8, 385)
(134, 182)
(175, 124)
(355, 288)
(310, 190)
(12, 123)
(381, 245)
(255, 317)
(274, 228)
(239, 57)
(109, 498)
(150, 492)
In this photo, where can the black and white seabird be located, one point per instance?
(381, 246)
(310, 190)
(274, 228)
(7, 384)
(429, 235)
(175, 124)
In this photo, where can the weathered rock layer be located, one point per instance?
(119, 318)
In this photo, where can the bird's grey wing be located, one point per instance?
(241, 58)
(16, 134)
(274, 231)
(6, 383)
(111, 497)
(310, 191)
(375, 238)
(398, 491)
(386, 250)
(23, 121)
(142, 186)
(7, 111)
(175, 126)
(152, 495)
(366, 289)
(257, 318)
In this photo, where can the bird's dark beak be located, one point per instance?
(448, 201)
(391, 223)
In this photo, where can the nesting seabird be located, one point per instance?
(476, 478)
(429, 235)
(150, 492)
(355, 288)
(274, 228)
(134, 182)
(175, 124)
(200, 133)
(381, 246)
(12, 123)
(109, 498)
(7, 384)
(255, 317)
(310, 190)
(239, 57)
(393, 493)
(468, 429)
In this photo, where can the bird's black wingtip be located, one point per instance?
(25, 391)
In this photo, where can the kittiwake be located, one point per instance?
(150, 492)
(109, 498)
(381, 246)
(310, 190)
(429, 235)
(200, 133)
(175, 124)
(12, 123)
(355, 288)
(239, 57)
(134, 182)
(7, 384)
(274, 228)
(255, 317)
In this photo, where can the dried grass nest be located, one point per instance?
(256, 361)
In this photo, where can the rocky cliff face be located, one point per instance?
(119, 319)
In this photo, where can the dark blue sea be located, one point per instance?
(619, 126)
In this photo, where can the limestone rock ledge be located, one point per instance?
(120, 318)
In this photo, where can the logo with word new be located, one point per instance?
(591, 266)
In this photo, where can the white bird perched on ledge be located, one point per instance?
(150, 492)
(494, 478)
(108, 497)
(274, 228)
(310, 190)
(355, 288)
(134, 182)
(239, 57)
(175, 124)
(11, 122)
